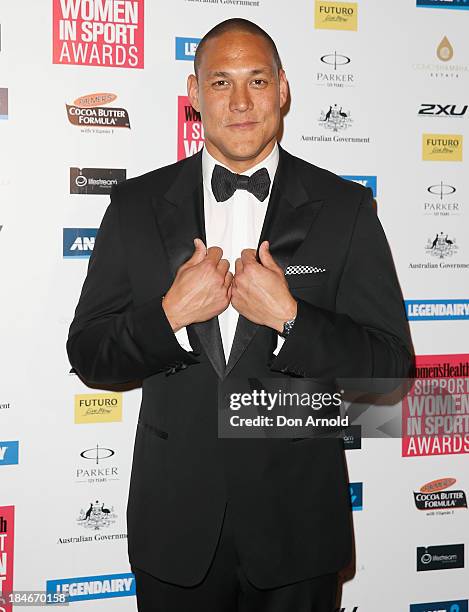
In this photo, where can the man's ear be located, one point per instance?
(283, 85)
(193, 91)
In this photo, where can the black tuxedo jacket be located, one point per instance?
(290, 498)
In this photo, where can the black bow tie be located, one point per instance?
(225, 183)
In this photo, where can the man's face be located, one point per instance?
(239, 93)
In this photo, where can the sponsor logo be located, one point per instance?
(3, 103)
(442, 202)
(336, 15)
(366, 181)
(190, 129)
(98, 408)
(93, 587)
(356, 495)
(440, 246)
(9, 452)
(90, 112)
(441, 366)
(447, 111)
(95, 181)
(445, 51)
(334, 71)
(459, 605)
(439, 310)
(442, 147)
(353, 437)
(7, 537)
(434, 498)
(98, 33)
(4, 405)
(186, 48)
(433, 411)
(445, 4)
(96, 516)
(348, 609)
(96, 467)
(78, 242)
(335, 120)
(447, 556)
(445, 68)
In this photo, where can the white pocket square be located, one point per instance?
(304, 270)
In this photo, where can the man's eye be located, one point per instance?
(259, 82)
(220, 83)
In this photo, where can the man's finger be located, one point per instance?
(223, 266)
(199, 254)
(266, 258)
(239, 266)
(228, 280)
(214, 253)
(248, 255)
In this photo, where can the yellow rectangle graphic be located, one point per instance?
(98, 408)
(442, 147)
(336, 15)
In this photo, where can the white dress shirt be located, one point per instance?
(233, 225)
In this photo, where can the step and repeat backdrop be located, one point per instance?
(93, 92)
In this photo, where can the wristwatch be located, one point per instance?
(287, 327)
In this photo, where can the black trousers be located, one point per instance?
(226, 588)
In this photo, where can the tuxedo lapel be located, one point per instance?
(180, 216)
(290, 214)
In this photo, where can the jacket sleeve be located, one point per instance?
(111, 340)
(367, 336)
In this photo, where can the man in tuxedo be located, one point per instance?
(241, 261)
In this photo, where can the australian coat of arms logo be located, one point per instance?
(441, 246)
(335, 119)
(96, 516)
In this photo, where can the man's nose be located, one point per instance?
(240, 99)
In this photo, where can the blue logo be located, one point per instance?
(446, 4)
(441, 606)
(78, 241)
(437, 310)
(366, 181)
(356, 495)
(93, 587)
(8, 452)
(185, 48)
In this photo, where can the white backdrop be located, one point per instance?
(73, 459)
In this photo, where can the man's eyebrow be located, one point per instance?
(225, 74)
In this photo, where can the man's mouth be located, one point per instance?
(242, 125)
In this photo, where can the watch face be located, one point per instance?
(287, 327)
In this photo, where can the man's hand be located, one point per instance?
(259, 290)
(201, 289)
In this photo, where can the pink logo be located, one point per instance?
(7, 524)
(435, 412)
(98, 33)
(190, 129)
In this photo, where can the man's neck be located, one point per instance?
(240, 166)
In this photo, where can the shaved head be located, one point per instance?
(235, 25)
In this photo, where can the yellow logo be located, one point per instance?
(98, 408)
(442, 147)
(336, 15)
(444, 51)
